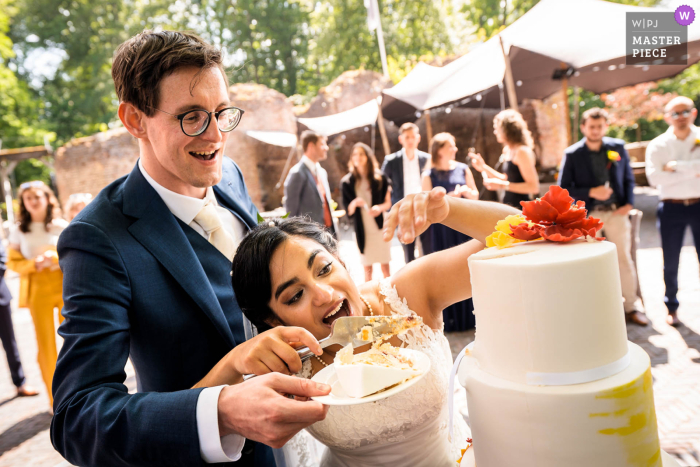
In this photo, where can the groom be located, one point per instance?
(147, 275)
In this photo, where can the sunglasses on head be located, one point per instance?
(33, 184)
(684, 114)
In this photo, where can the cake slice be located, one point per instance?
(372, 371)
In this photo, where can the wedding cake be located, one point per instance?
(551, 379)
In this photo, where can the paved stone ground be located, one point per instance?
(675, 355)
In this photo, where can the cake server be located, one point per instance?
(346, 330)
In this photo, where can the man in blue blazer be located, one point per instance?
(404, 169)
(147, 275)
(597, 170)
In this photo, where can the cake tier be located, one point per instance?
(609, 422)
(545, 307)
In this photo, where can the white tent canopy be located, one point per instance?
(588, 35)
(363, 115)
(275, 138)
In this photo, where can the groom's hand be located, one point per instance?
(414, 214)
(260, 410)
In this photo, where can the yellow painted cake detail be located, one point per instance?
(634, 420)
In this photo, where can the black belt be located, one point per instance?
(684, 202)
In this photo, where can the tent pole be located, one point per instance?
(564, 88)
(510, 84)
(574, 130)
(428, 127)
(382, 130)
(292, 150)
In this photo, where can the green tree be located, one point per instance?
(19, 107)
(342, 41)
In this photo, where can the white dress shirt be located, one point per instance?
(411, 174)
(315, 169)
(212, 447)
(684, 182)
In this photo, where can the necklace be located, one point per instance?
(371, 313)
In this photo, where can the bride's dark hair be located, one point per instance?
(251, 266)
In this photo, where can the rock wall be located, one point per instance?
(86, 165)
(261, 163)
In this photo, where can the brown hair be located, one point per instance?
(372, 164)
(53, 211)
(408, 126)
(143, 61)
(309, 137)
(438, 142)
(594, 114)
(514, 127)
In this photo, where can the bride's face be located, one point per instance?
(310, 287)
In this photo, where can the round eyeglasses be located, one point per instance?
(195, 122)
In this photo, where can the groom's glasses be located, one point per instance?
(195, 122)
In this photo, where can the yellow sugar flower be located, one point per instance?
(504, 225)
(501, 240)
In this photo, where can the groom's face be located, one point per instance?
(181, 163)
(310, 287)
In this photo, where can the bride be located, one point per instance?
(287, 272)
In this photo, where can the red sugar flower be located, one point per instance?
(556, 218)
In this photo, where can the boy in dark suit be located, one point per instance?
(404, 169)
(597, 170)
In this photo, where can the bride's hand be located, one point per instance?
(272, 351)
(415, 213)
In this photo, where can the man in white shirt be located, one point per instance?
(147, 275)
(306, 189)
(673, 166)
(404, 169)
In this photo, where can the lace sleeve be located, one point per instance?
(306, 370)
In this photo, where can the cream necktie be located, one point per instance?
(209, 220)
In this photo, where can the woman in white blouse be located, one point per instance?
(32, 254)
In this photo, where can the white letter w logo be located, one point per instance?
(685, 15)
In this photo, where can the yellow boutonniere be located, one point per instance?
(613, 156)
(697, 143)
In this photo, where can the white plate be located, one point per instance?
(339, 397)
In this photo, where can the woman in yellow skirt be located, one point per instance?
(32, 254)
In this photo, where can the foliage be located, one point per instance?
(32, 169)
(18, 104)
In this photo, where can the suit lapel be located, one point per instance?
(399, 171)
(157, 229)
(311, 179)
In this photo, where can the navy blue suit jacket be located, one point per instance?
(576, 174)
(133, 286)
(393, 169)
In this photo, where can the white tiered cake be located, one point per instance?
(551, 379)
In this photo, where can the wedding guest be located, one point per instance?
(673, 166)
(306, 189)
(32, 254)
(147, 268)
(519, 178)
(458, 181)
(597, 170)
(76, 203)
(367, 195)
(7, 333)
(404, 169)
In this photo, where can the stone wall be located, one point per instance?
(86, 165)
(261, 163)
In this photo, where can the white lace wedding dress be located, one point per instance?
(407, 429)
